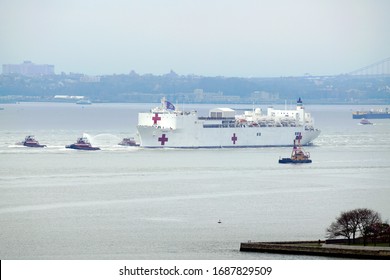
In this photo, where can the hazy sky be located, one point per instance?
(247, 38)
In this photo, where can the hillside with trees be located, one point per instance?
(133, 87)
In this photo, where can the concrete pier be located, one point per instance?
(318, 248)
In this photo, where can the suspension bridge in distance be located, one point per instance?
(379, 68)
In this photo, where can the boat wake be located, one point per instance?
(103, 140)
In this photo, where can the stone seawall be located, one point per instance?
(317, 248)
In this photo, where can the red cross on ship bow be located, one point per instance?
(156, 118)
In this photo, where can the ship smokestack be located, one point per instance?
(299, 103)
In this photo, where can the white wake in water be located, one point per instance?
(106, 141)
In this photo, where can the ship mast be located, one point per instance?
(298, 153)
(163, 103)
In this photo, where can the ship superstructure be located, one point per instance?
(164, 126)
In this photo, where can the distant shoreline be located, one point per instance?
(342, 89)
(280, 102)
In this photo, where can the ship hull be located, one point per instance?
(289, 160)
(229, 137)
(34, 145)
(75, 147)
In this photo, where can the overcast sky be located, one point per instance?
(245, 38)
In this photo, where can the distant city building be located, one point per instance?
(264, 96)
(28, 68)
(89, 79)
(77, 97)
(200, 96)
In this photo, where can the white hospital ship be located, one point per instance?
(166, 127)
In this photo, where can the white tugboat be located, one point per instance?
(128, 141)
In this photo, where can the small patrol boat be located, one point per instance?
(82, 144)
(298, 155)
(365, 122)
(30, 141)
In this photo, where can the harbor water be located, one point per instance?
(134, 203)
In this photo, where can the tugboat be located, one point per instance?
(298, 155)
(82, 144)
(128, 142)
(30, 141)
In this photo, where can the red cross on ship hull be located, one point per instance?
(234, 138)
(163, 139)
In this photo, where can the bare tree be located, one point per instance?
(367, 218)
(349, 223)
(343, 226)
(386, 231)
